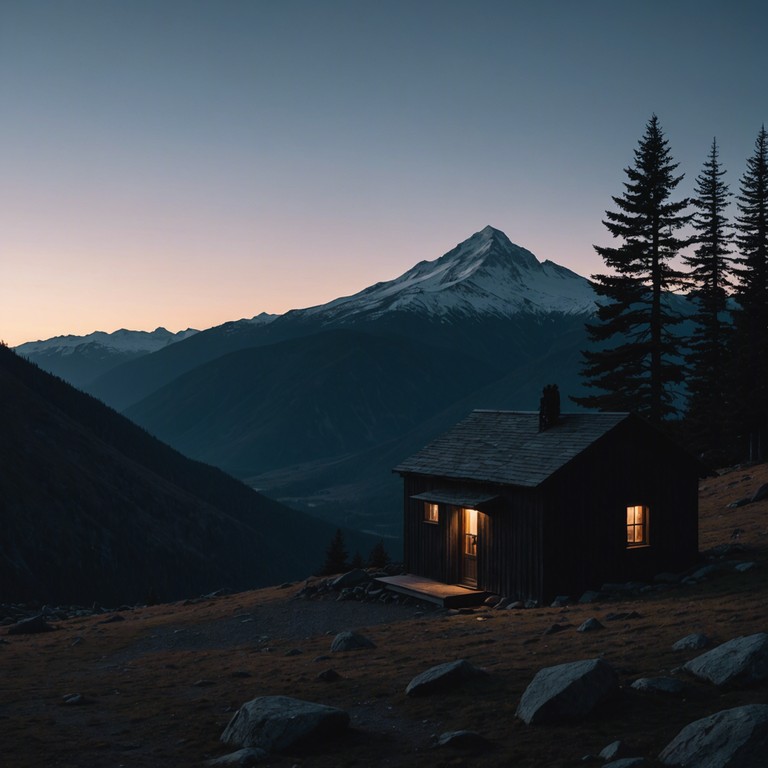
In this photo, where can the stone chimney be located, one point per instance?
(549, 407)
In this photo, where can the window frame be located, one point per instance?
(431, 513)
(640, 524)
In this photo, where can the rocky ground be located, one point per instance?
(158, 685)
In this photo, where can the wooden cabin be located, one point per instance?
(534, 505)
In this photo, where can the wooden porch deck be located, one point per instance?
(446, 595)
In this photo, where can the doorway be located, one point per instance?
(469, 548)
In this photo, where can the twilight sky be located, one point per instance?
(188, 162)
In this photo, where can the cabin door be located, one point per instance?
(469, 547)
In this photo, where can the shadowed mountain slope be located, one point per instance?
(93, 508)
(317, 398)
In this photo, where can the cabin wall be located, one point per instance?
(585, 519)
(568, 535)
(509, 538)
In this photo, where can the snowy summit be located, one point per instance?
(487, 274)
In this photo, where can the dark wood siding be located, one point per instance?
(568, 534)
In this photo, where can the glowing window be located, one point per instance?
(431, 514)
(637, 525)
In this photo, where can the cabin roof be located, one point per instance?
(507, 447)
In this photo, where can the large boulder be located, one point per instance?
(733, 738)
(567, 691)
(444, 678)
(741, 660)
(277, 723)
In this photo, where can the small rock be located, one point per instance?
(695, 641)
(243, 757)
(760, 494)
(515, 605)
(350, 641)
(294, 652)
(703, 573)
(203, 683)
(744, 567)
(667, 685)
(738, 503)
(491, 601)
(590, 596)
(329, 675)
(613, 751)
(73, 698)
(560, 601)
(555, 628)
(351, 579)
(461, 740)
(112, 619)
(31, 626)
(590, 625)
(444, 677)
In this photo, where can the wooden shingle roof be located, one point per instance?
(506, 446)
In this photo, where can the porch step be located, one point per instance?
(446, 595)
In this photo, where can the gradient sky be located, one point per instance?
(184, 163)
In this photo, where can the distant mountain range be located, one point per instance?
(315, 406)
(81, 359)
(92, 508)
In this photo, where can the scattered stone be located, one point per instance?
(515, 605)
(732, 738)
(294, 652)
(744, 567)
(560, 601)
(703, 573)
(503, 603)
(350, 641)
(667, 685)
(590, 625)
(444, 678)
(742, 660)
(203, 683)
(531, 603)
(276, 723)
(614, 751)
(350, 579)
(73, 698)
(461, 740)
(112, 619)
(738, 503)
(590, 596)
(243, 757)
(492, 601)
(695, 641)
(567, 691)
(553, 629)
(329, 676)
(31, 626)
(760, 494)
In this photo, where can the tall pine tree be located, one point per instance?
(708, 412)
(637, 371)
(751, 316)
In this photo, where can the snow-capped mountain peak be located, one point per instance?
(120, 341)
(485, 274)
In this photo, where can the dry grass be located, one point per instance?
(161, 685)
